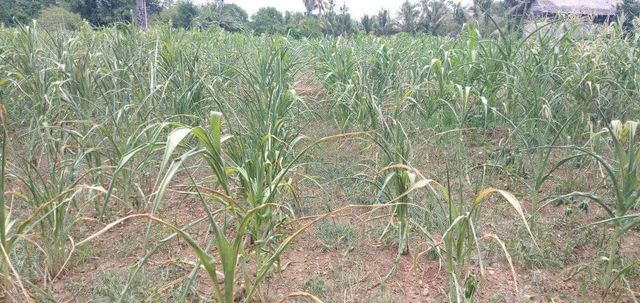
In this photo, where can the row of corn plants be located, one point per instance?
(107, 120)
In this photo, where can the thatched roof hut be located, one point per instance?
(574, 7)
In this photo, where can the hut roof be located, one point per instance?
(580, 7)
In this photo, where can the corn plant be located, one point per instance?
(265, 137)
(232, 250)
(622, 171)
(232, 254)
(336, 68)
(365, 89)
(129, 153)
(55, 188)
(10, 229)
(393, 142)
(29, 73)
(180, 66)
(461, 238)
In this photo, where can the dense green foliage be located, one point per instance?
(56, 18)
(100, 13)
(96, 12)
(183, 15)
(267, 20)
(21, 10)
(435, 17)
(230, 17)
(631, 10)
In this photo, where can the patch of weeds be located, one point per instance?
(28, 260)
(146, 287)
(81, 255)
(388, 239)
(316, 286)
(125, 247)
(497, 298)
(111, 283)
(334, 235)
(510, 160)
(432, 255)
(523, 250)
(571, 182)
(383, 295)
(582, 239)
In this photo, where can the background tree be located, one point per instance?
(345, 23)
(516, 7)
(104, 13)
(433, 16)
(56, 18)
(229, 17)
(21, 11)
(337, 24)
(514, 13)
(631, 11)
(382, 25)
(299, 25)
(367, 24)
(459, 14)
(267, 20)
(312, 5)
(408, 17)
(141, 14)
(329, 23)
(329, 5)
(184, 15)
(233, 17)
(482, 11)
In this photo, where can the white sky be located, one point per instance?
(357, 8)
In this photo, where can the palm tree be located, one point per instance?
(433, 16)
(408, 16)
(483, 8)
(367, 23)
(345, 24)
(312, 5)
(631, 10)
(382, 23)
(141, 14)
(330, 5)
(309, 5)
(459, 14)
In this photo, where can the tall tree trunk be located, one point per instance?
(141, 14)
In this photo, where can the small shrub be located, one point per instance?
(57, 18)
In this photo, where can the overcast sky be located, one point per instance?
(357, 8)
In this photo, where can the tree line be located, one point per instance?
(322, 17)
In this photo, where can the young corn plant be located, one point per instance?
(180, 65)
(265, 136)
(233, 251)
(11, 230)
(228, 240)
(369, 113)
(53, 176)
(336, 69)
(29, 73)
(461, 238)
(129, 152)
(393, 142)
(389, 135)
(622, 171)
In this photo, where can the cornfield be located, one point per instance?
(205, 166)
